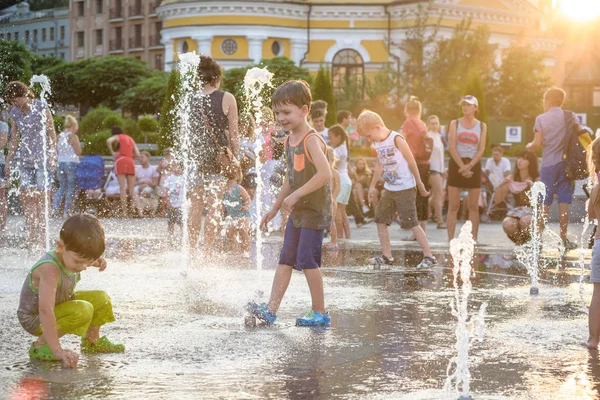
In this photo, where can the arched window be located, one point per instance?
(347, 69)
(184, 47)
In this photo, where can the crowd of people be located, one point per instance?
(311, 187)
(229, 200)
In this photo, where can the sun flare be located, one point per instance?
(579, 10)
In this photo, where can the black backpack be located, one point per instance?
(577, 142)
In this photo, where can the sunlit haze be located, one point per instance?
(579, 10)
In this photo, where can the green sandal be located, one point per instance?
(41, 353)
(102, 345)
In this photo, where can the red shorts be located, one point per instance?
(125, 166)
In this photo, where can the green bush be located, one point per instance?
(112, 120)
(59, 123)
(130, 127)
(92, 122)
(95, 143)
(148, 124)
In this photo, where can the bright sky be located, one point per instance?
(579, 10)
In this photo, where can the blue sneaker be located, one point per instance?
(314, 318)
(261, 311)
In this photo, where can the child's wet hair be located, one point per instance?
(295, 92)
(84, 235)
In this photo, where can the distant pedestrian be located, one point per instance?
(550, 131)
(339, 142)
(69, 150)
(421, 144)
(124, 150)
(437, 170)
(33, 135)
(466, 137)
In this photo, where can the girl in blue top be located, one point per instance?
(236, 202)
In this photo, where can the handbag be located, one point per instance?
(224, 159)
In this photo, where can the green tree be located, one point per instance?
(68, 88)
(112, 119)
(521, 84)
(39, 64)
(474, 87)
(147, 125)
(93, 121)
(109, 77)
(322, 89)
(418, 48)
(15, 62)
(147, 96)
(351, 96)
(467, 51)
(169, 119)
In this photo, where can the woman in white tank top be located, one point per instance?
(466, 143)
(69, 150)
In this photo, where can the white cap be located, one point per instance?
(469, 100)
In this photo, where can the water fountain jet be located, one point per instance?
(188, 66)
(44, 82)
(462, 250)
(255, 81)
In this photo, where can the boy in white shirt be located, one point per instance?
(397, 166)
(146, 176)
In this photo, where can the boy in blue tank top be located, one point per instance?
(397, 166)
(50, 307)
(306, 196)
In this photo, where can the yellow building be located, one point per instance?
(350, 36)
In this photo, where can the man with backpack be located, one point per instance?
(553, 131)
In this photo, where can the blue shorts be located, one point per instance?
(556, 182)
(301, 247)
(31, 177)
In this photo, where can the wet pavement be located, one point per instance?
(392, 334)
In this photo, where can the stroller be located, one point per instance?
(89, 176)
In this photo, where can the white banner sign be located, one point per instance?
(513, 134)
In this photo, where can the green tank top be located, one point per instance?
(29, 303)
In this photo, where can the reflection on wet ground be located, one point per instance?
(391, 335)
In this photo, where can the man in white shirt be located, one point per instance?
(497, 168)
(146, 176)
